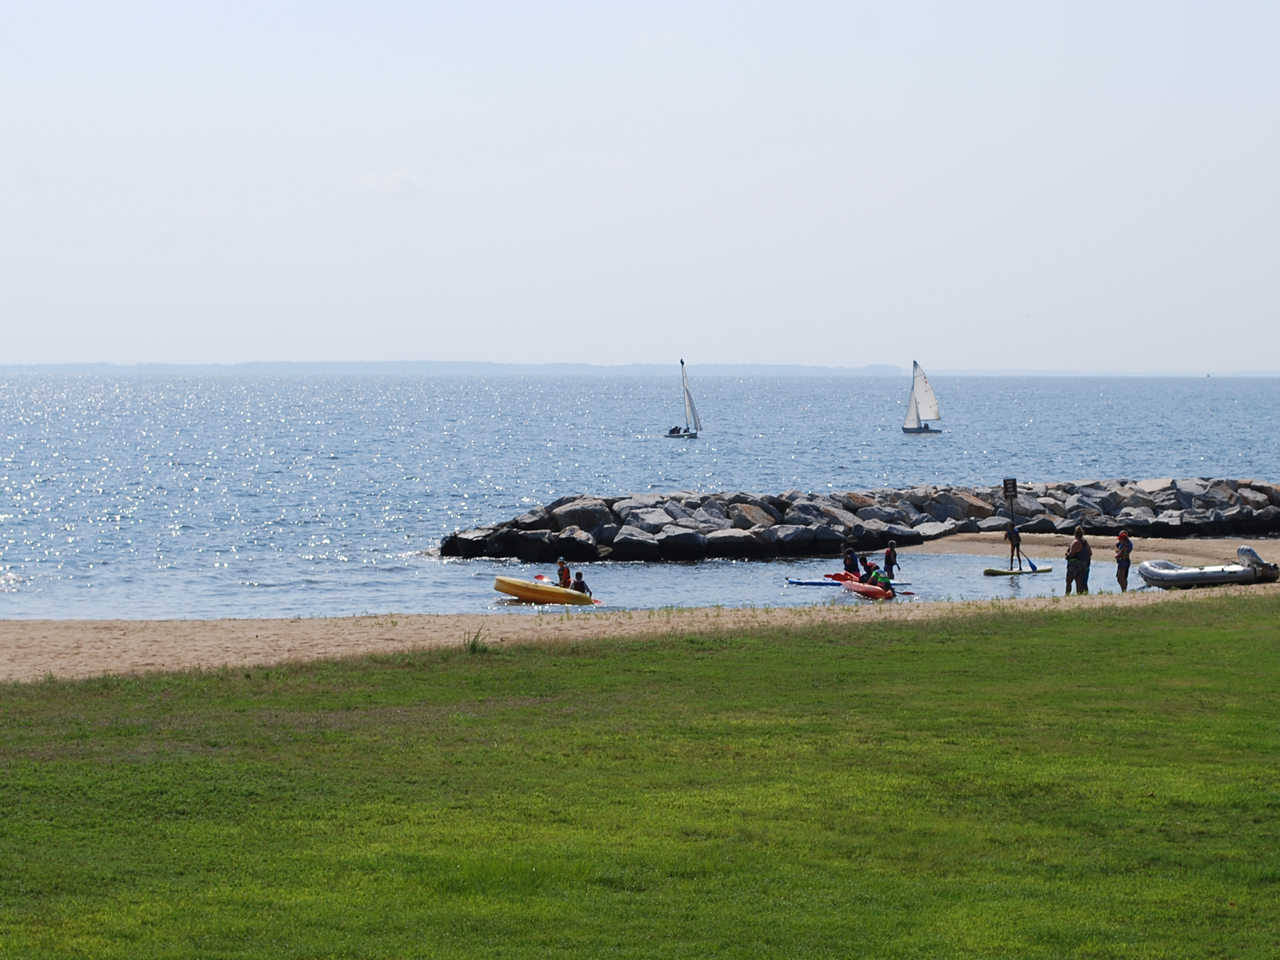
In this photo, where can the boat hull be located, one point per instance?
(1168, 575)
(920, 430)
(530, 592)
(691, 435)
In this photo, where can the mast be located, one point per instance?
(690, 411)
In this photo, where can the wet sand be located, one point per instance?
(1189, 553)
(34, 649)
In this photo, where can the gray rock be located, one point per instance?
(732, 543)
(1253, 499)
(1155, 486)
(1028, 506)
(574, 544)
(707, 524)
(934, 530)
(711, 508)
(633, 543)
(883, 514)
(789, 540)
(827, 539)
(680, 543)
(676, 511)
(744, 516)
(1135, 513)
(467, 543)
(1045, 523)
(588, 514)
(535, 519)
(803, 514)
(994, 524)
(650, 519)
(943, 512)
(623, 508)
(607, 533)
(751, 500)
(1052, 505)
(1079, 505)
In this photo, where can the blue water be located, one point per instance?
(282, 496)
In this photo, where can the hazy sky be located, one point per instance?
(973, 185)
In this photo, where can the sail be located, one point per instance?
(922, 395)
(913, 413)
(690, 411)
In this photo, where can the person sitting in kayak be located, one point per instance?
(878, 578)
(869, 570)
(851, 562)
(565, 578)
(580, 585)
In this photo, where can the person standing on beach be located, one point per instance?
(1124, 547)
(1079, 556)
(891, 559)
(1015, 546)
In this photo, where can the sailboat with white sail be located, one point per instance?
(691, 422)
(923, 405)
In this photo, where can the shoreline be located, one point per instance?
(33, 650)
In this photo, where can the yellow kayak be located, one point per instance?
(531, 592)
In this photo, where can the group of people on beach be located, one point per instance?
(1079, 557)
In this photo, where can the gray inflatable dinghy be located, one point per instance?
(1168, 575)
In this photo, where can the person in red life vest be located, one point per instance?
(891, 559)
(565, 578)
(1124, 547)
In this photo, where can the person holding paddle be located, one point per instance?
(565, 577)
(1015, 547)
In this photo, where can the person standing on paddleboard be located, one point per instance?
(1124, 547)
(1015, 546)
(1079, 556)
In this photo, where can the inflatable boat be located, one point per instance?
(1168, 575)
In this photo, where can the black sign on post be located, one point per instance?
(1010, 488)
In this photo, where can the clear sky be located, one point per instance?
(1084, 186)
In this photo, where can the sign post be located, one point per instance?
(1010, 493)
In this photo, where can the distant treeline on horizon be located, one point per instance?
(482, 368)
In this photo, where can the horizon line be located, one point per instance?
(496, 368)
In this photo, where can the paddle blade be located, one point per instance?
(1033, 566)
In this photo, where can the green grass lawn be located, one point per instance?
(1069, 783)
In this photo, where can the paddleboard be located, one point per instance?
(993, 572)
(812, 583)
(844, 578)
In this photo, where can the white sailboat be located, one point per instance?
(691, 422)
(923, 404)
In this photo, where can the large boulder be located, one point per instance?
(788, 539)
(467, 543)
(538, 546)
(881, 514)
(1269, 490)
(1253, 499)
(1041, 524)
(804, 514)
(934, 530)
(681, 543)
(942, 511)
(853, 502)
(633, 543)
(637, 501)
(827, 540)
(535, 519)
(734, 544)
(711, 508)
(747, 515)
(1079, 505)
(677, 511)
(650, 519)
(1052, 505)
(1155, 486)
(503, 542)
(707, 524)
(994, 524)
(972, 506)
(752, 500)
(575, 545)
(587, 514)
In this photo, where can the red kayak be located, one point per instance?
(868, 590)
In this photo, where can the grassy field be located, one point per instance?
(1060, 784)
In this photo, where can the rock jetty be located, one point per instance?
(695, 526)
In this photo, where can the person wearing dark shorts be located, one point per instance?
(891, 559)
(1015, 546)
(1124, 547)
(1079, 556)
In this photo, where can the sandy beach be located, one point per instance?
(34, 649)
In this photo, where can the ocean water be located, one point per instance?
(214, 496)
